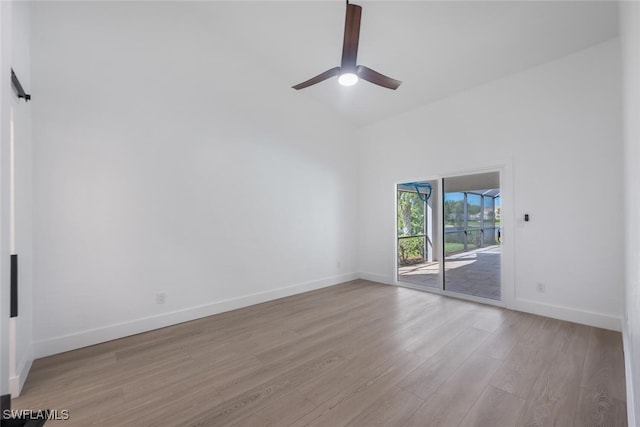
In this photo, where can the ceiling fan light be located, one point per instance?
(347, 79)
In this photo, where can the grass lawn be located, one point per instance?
(450, 248)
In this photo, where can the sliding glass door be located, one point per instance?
(448, 234)
(471, 235)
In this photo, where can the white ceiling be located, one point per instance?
(435, 48)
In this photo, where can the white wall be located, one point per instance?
(556, 131)
(630, 38)
(166, 161)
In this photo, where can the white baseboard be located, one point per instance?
(17, 382)
(379, 278)
(570, 314)
(628, 373)
(89, 337)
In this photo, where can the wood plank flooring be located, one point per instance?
(356, 354)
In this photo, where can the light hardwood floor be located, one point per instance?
(357, 354)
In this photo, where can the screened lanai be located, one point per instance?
(467, 220)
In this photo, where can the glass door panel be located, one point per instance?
(471, 230)
(417, 234)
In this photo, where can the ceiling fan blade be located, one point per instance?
(317, 79)
(376, 78)
(351, 36)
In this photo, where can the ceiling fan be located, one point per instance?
(348, 72)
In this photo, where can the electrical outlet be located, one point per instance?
(540, 287)
(338, 265)
(161, 297)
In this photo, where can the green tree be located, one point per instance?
(473, 209)
(454, 213)
(410, 214)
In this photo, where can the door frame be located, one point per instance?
(507, 274)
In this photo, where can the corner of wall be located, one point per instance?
(629, 17)
(16, 382)
(373, 277)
